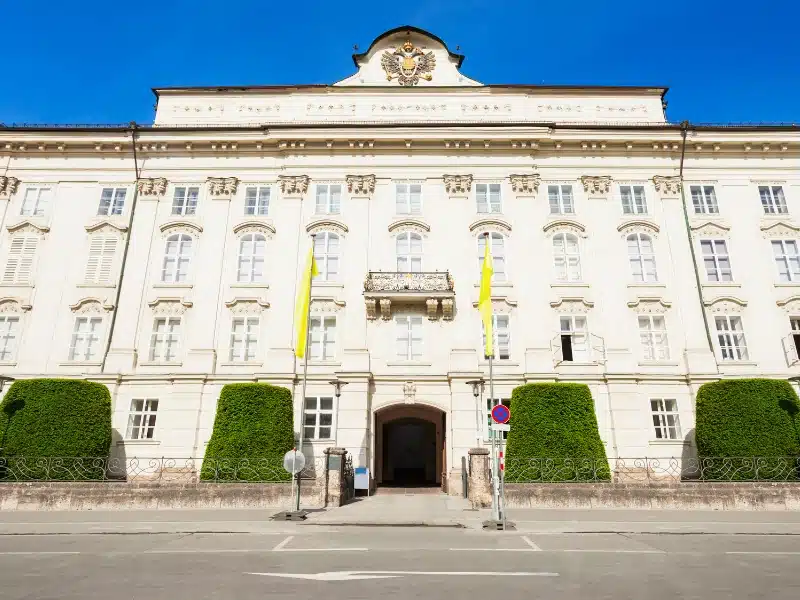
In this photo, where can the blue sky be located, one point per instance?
(92, 61)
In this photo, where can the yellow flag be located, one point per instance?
(301, 306)
(485, 298)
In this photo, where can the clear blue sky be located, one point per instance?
(93, 61)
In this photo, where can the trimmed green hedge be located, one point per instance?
(253, 429)
(554, 435)
(739, 419)
(67, 418)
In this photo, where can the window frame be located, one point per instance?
(775, 202)
(318, 411)
(185, 208)
(788, 259)
(702, 200)
(573, 332)
(409, 256)
(489, 204)
(248, 339)
(182, 238)
(173, 335)
(634, 206)
(28, 239)
(660, 414)
(717, 259)
(86, 339)
(559, 189)
(642, 258)
(257, 205)
(147, 420)
(566, 256)
(409, 207)
(410, 346)
(328, 203)
(502, 257)
(39, 188)
(252, 259)
(104, 259)
(112, 203)
(652, 333)
(323, 260)
(326, 339)
(9, 336)
(735, 350)
(496, 337)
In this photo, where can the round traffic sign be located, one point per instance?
(294, 461)
(501, 414)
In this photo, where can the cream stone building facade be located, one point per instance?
(638, 256)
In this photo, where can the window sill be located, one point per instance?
(659, 363)
(149, 363)
(499, 362)
(654, 284)
(250, 285)
(8, 363)
(737, 363)
(17, 285)
(570, 284)
(669, 443)
(318, 441)
(138, 442)
(96, 285)
(721, 284)
(787, 284)
(326, 284)
(407, 363)
(81, 363)
(324, 363)
(242, 363)
(576, 363)
(498, 284)
(175, 286)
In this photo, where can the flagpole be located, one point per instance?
(493, 433)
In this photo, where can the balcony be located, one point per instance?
(381, 288)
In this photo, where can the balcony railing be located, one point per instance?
(394, 282)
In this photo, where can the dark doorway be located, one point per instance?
(409, 456)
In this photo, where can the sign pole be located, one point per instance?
(492, 433)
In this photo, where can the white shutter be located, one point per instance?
(12, 263)
(790, 350)
(107, 258)
(20, 259)
(555, 349)
(95, 254)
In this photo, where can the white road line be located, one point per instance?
(493, 549)
(614, 551)
(198, 551)
(281, 545)
(325, 550)
(765, 553)
(35, 553)
(530, 543)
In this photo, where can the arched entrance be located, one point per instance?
(409, 446)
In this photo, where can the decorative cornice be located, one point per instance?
(27, 226)
(525, 184)
(326, 225)
(152, 186)
(779, 229)
(9, 304)
(254, 227)
(710, 228)
(106, 224)
(293, 185)
(457, 185)
(222, 187)
(668, 185)
(171, 305)
(326, 304)
(596, 185)
(409, 225)
(649, 305)
(565, 225)
(361, 185)
(182, 226)
(638, 226)
(500, 304)
(247, 306)
(790, 304)
(91, 305)
(725, 304)
(491, 224)
(8, 186)
(572, 304)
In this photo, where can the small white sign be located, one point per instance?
(501, 427)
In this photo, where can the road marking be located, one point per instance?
(35, 553)
(354, 575)
(325, 550)
(281, 545)
(616, 551)
(528, 541)
(765, 553)
(493, 549)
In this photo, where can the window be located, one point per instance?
(9, 330)
(787, 259)
(85, 339)
(730, 335)
(102, 249)
(653, 334)
(772, 199)
(574, 338)
(323, 338)
(566, 257)
(794, 323)
(488, 197)
(142, 419)
(502, 337)
(560, 197)
(716, 260)
(112, 201)
(318, 418)
(409, 338)
(184, 202)
(490, 404)
(408, 198)
(329, 199)
(409, 252)
(633, 199)
(665, 419)
(36, 201)
(177, 256)
(19, 266)
(642, 258)
(498, 256)
(704, 199)
(326, 253)
(165, 338)
(256, 201)
(244, 338)
(251, 258)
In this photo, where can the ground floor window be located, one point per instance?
(318, 418)
(142, 419)
(665, 418)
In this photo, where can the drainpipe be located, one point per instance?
(133, 129)
(684, 131)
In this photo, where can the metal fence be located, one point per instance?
(652, 470)
(172, 470)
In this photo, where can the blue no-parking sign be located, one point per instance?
(501, 414)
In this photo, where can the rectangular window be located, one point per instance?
(36, 201)
(244, 339)
(730, 335)
(666, 421)
(85, 339)
(704, 200)
(501, 338)
(164, 339)
(9, 331)
(560, 197)
(794, 323)
(318, 418)
(323, 338)
(256, 200)
(19, 266)
(772, 199)
(490, 404)
(498, 251)
(408, 198)
(716, 260)
(488, 197)
(787, 259)
(653, 334)
(112, 201)
(184, 202)
(102, 249)
(574, 338)
(142, 419)
(329, 199)
(634, 201)
(409, 338)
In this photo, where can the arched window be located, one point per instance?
(326, 253)
(642, 258)
(498, 250)
(251, 258)
(177, 256)
(566, 257)
(409, 252)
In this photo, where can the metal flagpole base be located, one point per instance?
(493, 525)
(290, 515)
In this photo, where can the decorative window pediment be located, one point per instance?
(710, 229)
(725, 304)
(649, 305)
(525, 185)
(326, 304)
(293, 185)
(360, 185)
(327, 225)
(667, 185)
(13, 305)
(187, 227)
(791, 304)
(500, 304)
(255, 227)
(413, 225)
(246, 306)
(564, 226)
(106, 226)
(638, 226)
(457, 185)
(572, 304)
(222, 187)
(28, 226)
(8, 186)
(152, 186)
(169, 305)
(596, 185)
(91, 305)
(491, 224)
(779, 229)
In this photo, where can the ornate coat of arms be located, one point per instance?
(408, 64)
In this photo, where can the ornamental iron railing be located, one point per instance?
(381, 281)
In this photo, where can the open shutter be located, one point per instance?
(107, 258)
(790, 350)
(555, 348)
(598, 348)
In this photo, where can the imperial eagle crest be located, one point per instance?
(408, 64)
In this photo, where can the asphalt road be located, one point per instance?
(361, 562)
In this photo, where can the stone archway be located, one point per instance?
(409, 446)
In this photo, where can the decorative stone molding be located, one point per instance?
(500, 305)
(564, 226)
(413, 225)
(372, 306)
(432, 304)
(409, 392)
(27, 226)
(791, 304)
(457, 185)
(254, 227)
(327, 225)
(668, 185)
(246, 306)
(106, 226)
(14, 305)
(390, 281)
(491, 224)
(386, 309)
(638, 226)
(326, 305)
(647, 305)
(360, 185)
(525, 185)
(596, 185)
(448, 306)
(170, 227)
(222, 187)
(8, 186)
(293, 185)
(779, 229)
(152, 186)
(91, 305)
(725, 304)
(572, 304)
(169, 306)
(710, 229)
